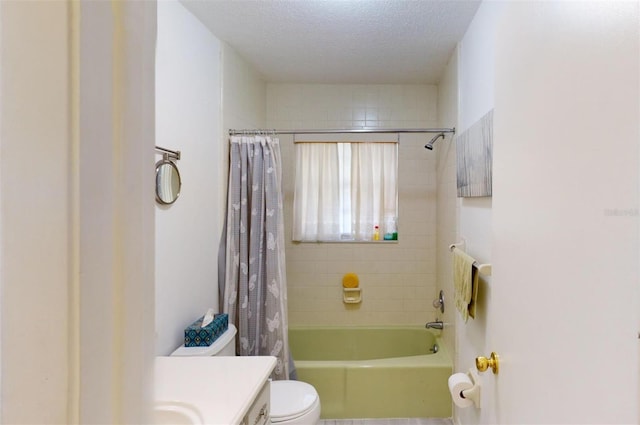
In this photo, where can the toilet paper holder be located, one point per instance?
(472, 393)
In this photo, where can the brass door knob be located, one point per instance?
(493, 362)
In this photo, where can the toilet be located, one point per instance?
(292, 402)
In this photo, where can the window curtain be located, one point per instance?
(255, 287)
(316, 211)
(374, 192)
(371, 176)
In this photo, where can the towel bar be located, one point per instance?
(483, 269)
(459, 245)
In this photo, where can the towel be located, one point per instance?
(474, 291)
(462, 281)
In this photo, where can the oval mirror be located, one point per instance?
(168, 182)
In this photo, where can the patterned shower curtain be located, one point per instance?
(255, 287)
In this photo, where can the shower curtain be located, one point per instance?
(254, 288)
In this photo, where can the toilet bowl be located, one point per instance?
(292, 402)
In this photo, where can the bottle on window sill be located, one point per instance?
(376, 233)
(391, 229)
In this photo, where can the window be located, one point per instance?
(343, 190)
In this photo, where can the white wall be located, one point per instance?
(447, 202)
(244, 105)
(112, 287)
(476, 82)
(34, 197)
(77, 216)
(188, 119)
(244, 93)
(475, 99)
(561, 229)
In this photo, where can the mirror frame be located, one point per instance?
(175, 167)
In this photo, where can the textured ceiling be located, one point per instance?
(347, 41)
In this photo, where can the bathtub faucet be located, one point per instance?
(435, 325)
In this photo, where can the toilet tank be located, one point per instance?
(225, 345)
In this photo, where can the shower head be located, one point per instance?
(432, 141)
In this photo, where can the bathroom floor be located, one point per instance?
(402, 421)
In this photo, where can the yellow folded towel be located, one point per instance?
(474, 291)
(462, 281)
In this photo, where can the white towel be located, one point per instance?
(462, 281)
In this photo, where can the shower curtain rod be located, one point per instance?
(351, 130)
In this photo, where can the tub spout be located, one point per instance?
(435, 325)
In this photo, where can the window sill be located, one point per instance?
(382, 242)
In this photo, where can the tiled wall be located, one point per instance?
(398, 280)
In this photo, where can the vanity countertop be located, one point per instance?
(222, 388)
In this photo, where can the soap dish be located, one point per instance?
(351, 295)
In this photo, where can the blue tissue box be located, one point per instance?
(197, 336)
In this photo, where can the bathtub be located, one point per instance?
(374, 372)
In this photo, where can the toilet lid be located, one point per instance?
(290, 399)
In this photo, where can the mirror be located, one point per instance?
(168, 182)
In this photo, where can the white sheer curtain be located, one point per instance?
(343, 190)
(374, 186)
(316, 211)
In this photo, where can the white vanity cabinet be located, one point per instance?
(223, 390)
(258, 413)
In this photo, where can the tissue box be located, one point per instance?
(197, 336)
